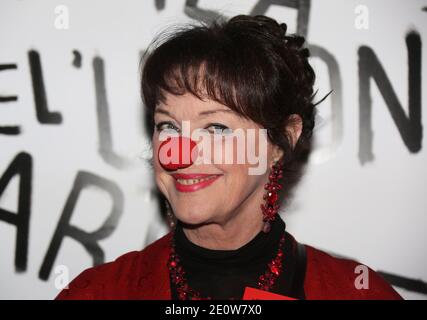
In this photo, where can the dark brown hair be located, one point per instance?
(248, 63)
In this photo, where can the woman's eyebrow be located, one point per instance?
(203, 113)
(160, 110)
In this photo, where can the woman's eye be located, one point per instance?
(166, 126)
(217, 128)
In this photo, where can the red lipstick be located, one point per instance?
(191, 186)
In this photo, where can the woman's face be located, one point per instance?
(232, 190)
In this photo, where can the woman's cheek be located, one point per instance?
(160, 175)
(156, 144)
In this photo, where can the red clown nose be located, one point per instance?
(177, 153)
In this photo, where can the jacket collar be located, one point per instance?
(154, 270)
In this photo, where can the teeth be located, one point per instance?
(193, 181)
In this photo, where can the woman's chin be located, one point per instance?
(193, 218)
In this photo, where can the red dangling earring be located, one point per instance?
(270, 207)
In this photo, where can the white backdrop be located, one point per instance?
(73, 148)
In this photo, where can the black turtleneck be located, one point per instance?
(224, 274)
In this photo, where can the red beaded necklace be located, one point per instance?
(185, 292)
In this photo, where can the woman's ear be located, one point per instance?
(277, 153)
(294, 128)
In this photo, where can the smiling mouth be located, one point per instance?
(189, 182)
(194, 182)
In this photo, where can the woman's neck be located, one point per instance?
(230, 235)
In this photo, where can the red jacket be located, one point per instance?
(145, 275)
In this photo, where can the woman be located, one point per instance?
(245, 76)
